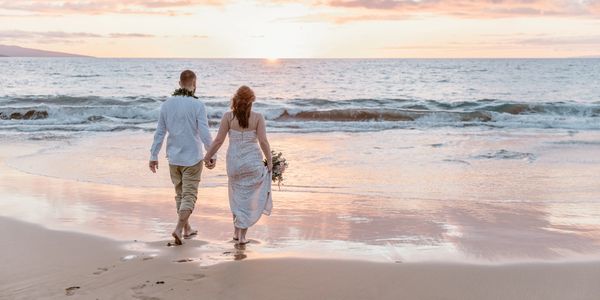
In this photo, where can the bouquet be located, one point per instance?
(279, 166)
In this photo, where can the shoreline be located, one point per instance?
(89, 267)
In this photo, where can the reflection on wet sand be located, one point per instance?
(416, 205)
(499, 231)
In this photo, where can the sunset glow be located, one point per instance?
(305, 29)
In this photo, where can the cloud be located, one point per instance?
(61, 36)
(346, 18)
(344, 11)
(470, 8)
(61, 7)
(130, 35)
(49, 37)
(378, 4)
(337, 11)
(503, 41)
(562, 41)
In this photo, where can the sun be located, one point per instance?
(272, 60)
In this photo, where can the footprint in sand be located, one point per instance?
(71, 290)
(144, 297)
(183, 260)
(100, 271)
(139, 287)
(195, 277)
(139, 294)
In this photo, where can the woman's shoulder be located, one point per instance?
(256, 115)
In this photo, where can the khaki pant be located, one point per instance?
(186, 180)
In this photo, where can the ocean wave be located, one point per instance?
(64, 100)
(73, 113)
(506, 154)
(348, 115)
(577, 143)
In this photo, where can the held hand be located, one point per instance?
(153, 165)
(210, 163)
(270, 166)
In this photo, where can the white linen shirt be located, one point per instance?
(186, 122)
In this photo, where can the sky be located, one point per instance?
(305, 28)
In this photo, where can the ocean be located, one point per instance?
(305, 95)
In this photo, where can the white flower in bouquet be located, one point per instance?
(279, 166)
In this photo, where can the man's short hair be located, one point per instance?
(187, 76)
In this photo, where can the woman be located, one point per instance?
(249, 179)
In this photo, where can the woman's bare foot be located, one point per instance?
(236, 234)
(242, 236)
(177, 238)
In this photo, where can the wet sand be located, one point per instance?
(45, 264)
(449, 196)
(459, 215)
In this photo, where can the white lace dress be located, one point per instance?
(249, 179)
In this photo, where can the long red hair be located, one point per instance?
(241, 105)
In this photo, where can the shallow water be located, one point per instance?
(399, 195)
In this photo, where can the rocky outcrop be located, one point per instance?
(29, 115)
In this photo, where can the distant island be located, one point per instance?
(16, 51)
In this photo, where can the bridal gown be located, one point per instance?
(249, 179)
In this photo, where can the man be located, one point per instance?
(184, 118)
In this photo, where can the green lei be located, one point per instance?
(184, 92)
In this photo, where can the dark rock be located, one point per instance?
(29, 115)
(476, 116)
(34, 115)
(95, 118)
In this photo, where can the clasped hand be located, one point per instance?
(210, 163)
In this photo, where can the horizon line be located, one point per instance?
(306, 58)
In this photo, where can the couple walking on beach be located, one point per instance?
(184, 120)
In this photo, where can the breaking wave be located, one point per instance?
(67, 113)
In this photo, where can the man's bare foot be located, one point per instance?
(189, 234)
(178, 240)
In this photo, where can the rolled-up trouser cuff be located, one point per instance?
(186, 181)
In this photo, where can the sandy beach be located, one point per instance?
(101, 232)
(86, 267)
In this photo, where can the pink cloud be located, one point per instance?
(103, 6)
(49, 37)
(347, 10)
(470, 8)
